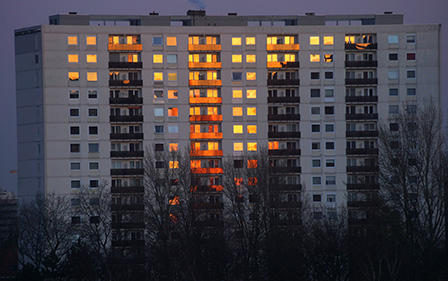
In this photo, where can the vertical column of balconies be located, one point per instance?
(206, 128)
(126, 121)
(362, 126)
(283, 131)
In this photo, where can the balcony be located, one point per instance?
(283, 99)
(208, 205)
(128, 118)
(362, 169)
(125, 47)
(283, 117)
(362, 204)
(205, 153)
(205, 135)
(120, 65)
(361, 81)
(127, 189)
(128, 243)
(284, 135)
(202, 118)
(284, 82)
(361, 46)
(361, 99)
(363, 186)
(206, 170)
(126, 172)
(126, 154)
(205, 82)
(362, 116)
(127, 225)
(283, 64)
(284, 152)
(285, 187)
(204, 65)
(287, 223)
(129, 207)
(285, 205)
(126, 136)
(204, 47)
(362, 151)
(207, 188)
(281, 170)
(208, 223)
(205, 100)
(282, 47)
(126, 100)
(367, 63)
(361, 134)
(125, 83)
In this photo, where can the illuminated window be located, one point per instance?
(171, 58)
(91, 40)
(328, 40)
(328, 57)
(349, 39)
(73, 76)
(195, 163)
(237, 146)
(252, 181)
(237, 94)
(174, 201)
(252, 164)
(174, 164)
(251, 146)
(72, 40)
(273, 145)
(172, 76)
(72, 58)
(251, 76)
(173, 111)
(172, 94)
(290, 57)
(157, 58)
(237, 129)
(272, 57)
(250, 58)
(91, 58)
(236, 41)
(237, 111)
(250, 40)
(251, 111)
(314, 58)
(238, 181)
(158, 76)
(314, 40)
(213, 146)
(251, 94)
(171, 41)
(251, 129)
(92, 76)
(237, 58)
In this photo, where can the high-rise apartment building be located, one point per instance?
(93, 91)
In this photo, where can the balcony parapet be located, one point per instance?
(366, 63)
(126, 136)
(283, 99)
(362, 151)
(361, 81)
(283, 82)
(283, 135)
(205, 135)
(278, 170)
(363, 186)
(125, 47)
(204, 65)
(129, 118)
(125, 83)
(282, 47)
(362, 169)
(205, 100)
(200, 118)
(127, 189)
(285, 117)
(204, 47)
(120, 65)
(126, 100)
(206, 170)
(205, 153)
(283, 64)
(278, 152)
(205, 82)
(361, 46)
(126, 154)
(361, 134)
(126, 172)
(361, 99)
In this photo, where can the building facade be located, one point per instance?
(94, 91)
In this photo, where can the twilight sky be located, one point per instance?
(16, 14)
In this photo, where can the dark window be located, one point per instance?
(94, 147)
(93, 130)
(315, 93)
(94, 201)
(329, 145)
(237, 76)
(394, 145)
(393, 92)
(411, 91)
(75, 147)
(159, 147)
(410, 56)
(315, 145)
(315, 128)
(316, 198)
(329, 110)
(393, 126)
(94, 183)
(94, 219)
(393, 56)
(328, 74)
(238, 163)
(76, 202)
(76, 220)
(315, 75)
(74, 112)
(93, 112)
(160, 164)
(74, 130)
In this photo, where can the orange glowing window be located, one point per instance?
(195, 163)
(328, 40)
(174, 146)
(174, 218)
(237, 146)
(72, 58)
(250, 40)
(273, 145)
(213, 145)
(236, 94)
(114, 40)
(91, 40)
(314, 40)
(210, 40)
(238, 181)
(212, 110)
(172, 76)
(193, 58)
(289, 40)
(174, 164)
(92, 76)
(195, 146)
(212, 93)
(73, 76)
(72, 40)
(290, 57)
(237, 58)
(171, 41)
(236, 41)
(132, 58)
(172, 94)
(251, 129)
(251, 76)
(174, 201)
(350, 39)
(272, 57)
(252, 181)
(157, 58)
(91, 58)
(195, 111)
(314, 58)
(251, 111)
(193, 40)
(158, 76)
(173, 111)
(237, 111)
(251, 94)
(251, 146)
(252, 164)
(328, 57)
(237, 129)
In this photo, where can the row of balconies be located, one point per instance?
(127, 189)
(208, 47)
(361, 99)
(283, 117)
(284, 135)
(283, 99)
(126, 118)
(361, 116)
(362, 151)
(126, 154)
(361, 134)
(362, 169)
(278, 152)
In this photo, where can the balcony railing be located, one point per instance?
(204, 47)
(362, 151)
(278, 117)
(199, 118)
(125, 47)
(362, 204)
(126, 154)
(283, 64)
(114, 64)
(363, 186)
(127, 189)
(125, 83)
(128, 118)
(361, 46)
(285, 205)
(195, 153)
(129, 243)
(361, 134)
(361, 81)
(126, 136)
(287, 222)
(126, 100)
(206, 100)
(127, 225)
(283, 135)
(207, 188)
(208, 205)
(282, 47)
(366, 63)
(283, 99)
(284, 152)
(206, 170)
(362, 116)
(126, 172)
(129, 207)
(284, 82)
(204, 65)
(285, 187)
(205, 82)
(362, 169)
(278, 170)
(208, 223)
(205, 135)
(361, 99)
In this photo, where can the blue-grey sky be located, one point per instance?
(16, 14)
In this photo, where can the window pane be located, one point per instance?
(238, 146)
(314, 58)
(237, 129)
(172, 94)
(250, 40)
(237, 94)
(251, 129)
(237, 111)
(72, 58)
(91, 40)
(171, 41)
(157, 58)
(158, 76)
(236, 58)
(73, 76)
(251, 94)
(251, 75)
(314, 40)
(236, 41)
(171, 58)
(91, 58)
(92, 76)
(251, 111)
(73, 40)
(392, 39)
(328, 40)
(250, 58)
(251, 146)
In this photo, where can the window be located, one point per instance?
(328, 57)
(91, 40)
(172, 76)
(329, 163)
(392, 39)
(251, 94)
(237, 146)
(75, 184)
(94, 147)
(92, 76)
(410, 74)
(158, 129)
(157, 40)
(72, 40)
(329, 93)
(237, 58)
(251, 58)
(171, 58)
(74, 130)
(91, 58)
(158, 94)
(75, 201)
(251, 76)
(94, 183)
(393, 92)
(174, 146)
(315, 163)
(315, 145)
(393, 56)
(251, 129)
(158, 76)
(315, 93)
(410, 56)
(317, 180)
(173, 112)
(237, 94)
(93, 130)
(251, 146)
(73, 76)
(94, 165)
(329, 128)
(329, 145)
(75, 166)
(72, 58)
(394, 109)
(317, 198)
(393, 127)
(252, 164)
(314, 58)
(74, 112)
(315, 110)
(315, 75)
(73, 94)
(315, 128)
(328, 74)
(328, 40)
(237, 111)
(330, 180)
(159, 147)
(236, 41)
(92, 94)
(93, 112)
(160, 164)
(173, 164)
(75, 147)
(157, 58)
(411, 91)
(411, 108)
(329, 110)
(314, 40)
(237, 76)
(392, 74)
(172, 94)
(410, 38)
(158, 112)
(250, 40)
(251, 111)
(171, 41)
(237, 129)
